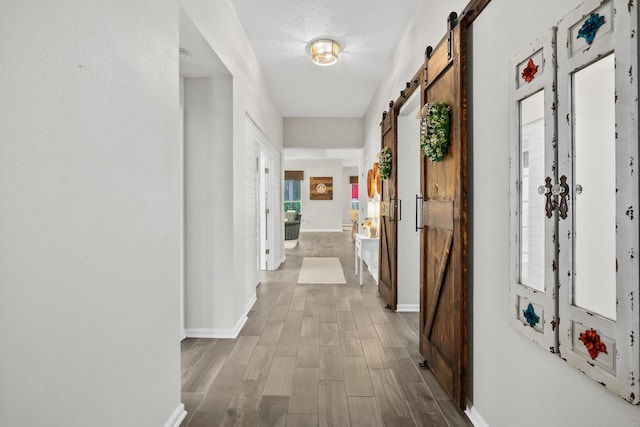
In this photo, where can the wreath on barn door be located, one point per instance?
(434, 140)
(385, 163)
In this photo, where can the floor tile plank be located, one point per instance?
(259, 363)
(389, 393)
(329, 335)
(308, 353)
(304, 392)
(364, 412)
(271, 334)
(310, 327)
(331, 367)
(356, 375)
(350, 343)
(288, 344)
(293, 321)
(345, 321)
(333, 409)
(302, 420)
(374, 353)
(280, 376)
(272, 411)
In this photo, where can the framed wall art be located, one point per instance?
(321, 188)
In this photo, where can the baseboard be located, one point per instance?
(217, 333)
(249, 306)
(408, 308)
(474, 416)
(176, 418)
(329, 230)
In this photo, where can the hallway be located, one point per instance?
(315, 355)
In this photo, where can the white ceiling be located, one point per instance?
(367, 30)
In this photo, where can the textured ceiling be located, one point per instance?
(367, 30)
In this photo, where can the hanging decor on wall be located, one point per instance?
(321, 188)
(530, 71)
(371, 183)
(434, 142)
(590, 27)
(385, 163)
(376, 177)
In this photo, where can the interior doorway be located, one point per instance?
(408, 243)
(265, 239)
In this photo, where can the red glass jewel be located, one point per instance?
(591, 340)
(530, 71)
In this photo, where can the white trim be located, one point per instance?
(474, 416)
(249, 306)
(408, 308)
(335, 230)
(218, 333)
(176, 418)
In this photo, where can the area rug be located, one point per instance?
(290, 244)
(321, 270)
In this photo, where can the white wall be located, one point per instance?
(208, 196)
(515, 376)
(219, 25)
(321, 215)
(323, 132)
(89, 253)
(514, 381)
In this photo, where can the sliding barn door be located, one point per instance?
(443, 337)
(387, 285)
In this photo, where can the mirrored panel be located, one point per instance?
(532, 175)
(594, 195)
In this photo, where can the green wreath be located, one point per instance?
(385, 163)
(435, 140)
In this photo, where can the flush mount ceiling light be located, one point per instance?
(324, 52)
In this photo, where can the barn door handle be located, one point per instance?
(399, 209)
(392, 209)
(419, 225)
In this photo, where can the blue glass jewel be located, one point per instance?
(590, 27)
(531, 316)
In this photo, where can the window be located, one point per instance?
(292, 195)
(354, 196)
(575, 279)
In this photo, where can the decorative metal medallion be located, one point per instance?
(592, 342)
(530, 71)
(590, 27)
(531, 316)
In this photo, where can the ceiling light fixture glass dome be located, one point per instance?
(324, 52)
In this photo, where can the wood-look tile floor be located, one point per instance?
(315, 355)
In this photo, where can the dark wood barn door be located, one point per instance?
(443, 287)
(387, 265)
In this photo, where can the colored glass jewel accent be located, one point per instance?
(591, 340)
(590, 27)
(530, 71)
(531, 316)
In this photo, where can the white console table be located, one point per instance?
(369, 246)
